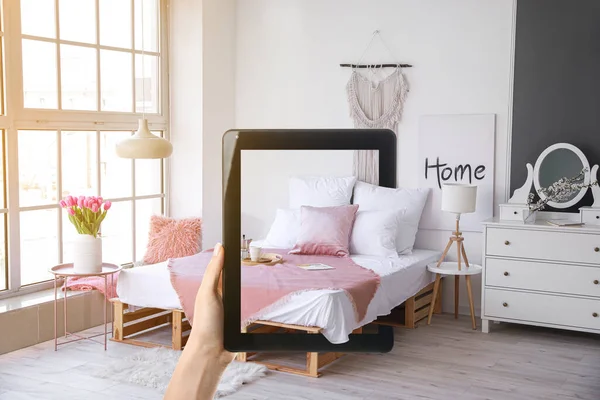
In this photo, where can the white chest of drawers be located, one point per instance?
(538, 274)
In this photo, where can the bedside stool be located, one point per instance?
(448, 269)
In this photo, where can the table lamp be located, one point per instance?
(458, 198)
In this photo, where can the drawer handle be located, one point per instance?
(596, 281)
(505, 304)
(506, 273)
(506, 242)
(597, 216)
(595, 315)
(596, 249)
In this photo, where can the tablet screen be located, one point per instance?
(296, 222)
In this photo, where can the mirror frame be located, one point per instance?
(538, 164)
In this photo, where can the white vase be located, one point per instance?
(87, 254)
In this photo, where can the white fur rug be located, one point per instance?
(153, 368)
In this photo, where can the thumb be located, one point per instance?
(212, 276)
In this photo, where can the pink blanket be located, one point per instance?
(95, 282)
(264, 287)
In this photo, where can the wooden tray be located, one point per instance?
(265, 259)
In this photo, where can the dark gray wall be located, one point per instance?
(557, 81)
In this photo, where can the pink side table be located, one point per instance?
(66, 271)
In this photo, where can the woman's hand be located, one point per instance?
(207, 332)
(204, 358)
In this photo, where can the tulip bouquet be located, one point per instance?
(86, 213)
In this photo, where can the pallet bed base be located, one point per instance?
(314, 361)
(128, 324)
(413, 310)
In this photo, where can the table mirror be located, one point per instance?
(561, 160)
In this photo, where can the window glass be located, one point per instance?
(117, 237)
(78, 20)
(148, 176)
(115, 23)
(115, 172)
(39, 244)
(37, 18)
(144, 209)
(79, 164)
(78, 78)
(39, 74)
(146, 84)
(37, 168)
(151, 32)
(116, 79)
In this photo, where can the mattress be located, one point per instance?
(331, 310)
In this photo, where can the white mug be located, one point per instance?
(255, 253)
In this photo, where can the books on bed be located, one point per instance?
(315, 266)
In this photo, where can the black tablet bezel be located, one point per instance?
(234, 141)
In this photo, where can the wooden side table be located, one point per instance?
(66, 271)
(448, 269)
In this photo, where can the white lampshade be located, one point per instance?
(459, 198)
(144, 144)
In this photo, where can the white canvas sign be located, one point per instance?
(457, 148)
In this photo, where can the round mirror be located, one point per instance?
(561, 160)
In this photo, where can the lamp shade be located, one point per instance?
(144, 144)
(459, 198)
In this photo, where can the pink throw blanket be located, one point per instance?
(95, 282)
(264, 287)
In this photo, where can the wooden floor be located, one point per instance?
(446, 360)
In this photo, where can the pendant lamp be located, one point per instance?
(143, 143)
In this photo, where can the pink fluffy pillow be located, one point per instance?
(172, 238)
(325, 230)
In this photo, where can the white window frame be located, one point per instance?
(17, 117)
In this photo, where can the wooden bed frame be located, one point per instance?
(127, 325)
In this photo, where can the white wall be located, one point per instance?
(185, 79)
(202, 62)
(265, 181)
(287, 73)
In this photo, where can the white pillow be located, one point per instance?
(284, 230)
(371, 197)
(374, 233)
(322, 191)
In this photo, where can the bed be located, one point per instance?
(146, 294)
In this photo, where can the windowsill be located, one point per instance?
(34, 299)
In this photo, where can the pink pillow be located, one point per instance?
(172, 238)
(325, 230)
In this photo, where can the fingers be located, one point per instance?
(212, 276)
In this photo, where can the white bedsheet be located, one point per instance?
(331, 310)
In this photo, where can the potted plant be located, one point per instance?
(86, 214)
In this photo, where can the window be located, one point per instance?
(81, 73)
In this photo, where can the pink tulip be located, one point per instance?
(71, 211)
(62, 203)
(107, 205)
(100, 200)
(80, 202)
(69, 201)
(86, 203)
(94, 207)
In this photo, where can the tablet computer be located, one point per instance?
(266, 286)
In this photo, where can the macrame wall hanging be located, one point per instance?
(376, 104)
